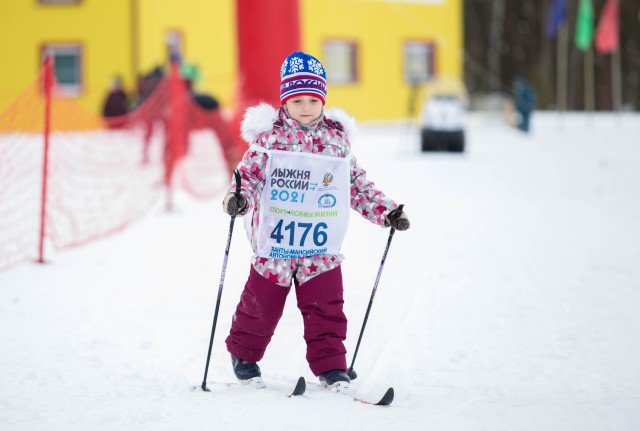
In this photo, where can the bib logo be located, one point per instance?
(328, 177)
(326, 201)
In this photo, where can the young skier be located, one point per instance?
(299, 179)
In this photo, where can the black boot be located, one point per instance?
(335, 379)
(247, 372)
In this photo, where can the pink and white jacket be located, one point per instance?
(328, 135)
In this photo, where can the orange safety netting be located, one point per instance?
(100, 175)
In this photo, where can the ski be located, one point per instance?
(386, 399)
(301, 387)
(257, 383)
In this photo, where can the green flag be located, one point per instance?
(584, 25)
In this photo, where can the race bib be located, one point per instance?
(304, 206)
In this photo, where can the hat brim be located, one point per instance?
(317, 95)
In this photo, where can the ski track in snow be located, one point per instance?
(510, 304)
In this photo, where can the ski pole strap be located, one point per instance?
(236, 174)
(237, 193)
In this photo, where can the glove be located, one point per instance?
(234, 204)
(398, 219)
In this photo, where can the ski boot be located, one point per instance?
(247, 373)
(335, 379)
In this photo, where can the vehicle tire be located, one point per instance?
(456, 143)
(430, 140)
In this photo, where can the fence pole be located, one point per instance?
(172, 133)
(48, 85)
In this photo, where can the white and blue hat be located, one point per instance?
(302, 74)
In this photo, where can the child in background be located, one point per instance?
(299, 179)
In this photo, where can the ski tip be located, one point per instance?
(301, 387)
(387, 398)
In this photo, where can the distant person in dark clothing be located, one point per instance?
(524, 100)
(205, 101)
(115, 106)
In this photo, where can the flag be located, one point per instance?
(607, 33)
(557, 16)
(584, 25)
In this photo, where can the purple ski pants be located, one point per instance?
(320, 302)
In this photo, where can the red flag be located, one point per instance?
(607, 33)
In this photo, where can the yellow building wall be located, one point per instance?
(208, 31)
(380, 28)
(208, 27)
(27, 26)
(103, 29)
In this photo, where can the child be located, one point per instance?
(298, 181)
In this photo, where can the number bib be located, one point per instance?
(304, 206)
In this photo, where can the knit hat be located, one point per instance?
(302, 74)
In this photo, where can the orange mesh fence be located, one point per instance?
(21, 150)
(101, 175)
(210, 140)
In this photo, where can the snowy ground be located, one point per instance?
(511, 304)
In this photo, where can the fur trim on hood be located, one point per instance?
(347, 121)
(259, 119)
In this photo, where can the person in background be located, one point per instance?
(115, 106)
(524, 101)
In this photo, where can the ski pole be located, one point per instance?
(351, 372)
(224, 270)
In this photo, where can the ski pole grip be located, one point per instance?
(393, 229)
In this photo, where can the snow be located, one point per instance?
(512, 303)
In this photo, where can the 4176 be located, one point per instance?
(293, 229)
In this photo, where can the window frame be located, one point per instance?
(354, 75)
(430, 69)
(59, 2)
(60, 89)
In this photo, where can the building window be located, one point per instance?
(58, 1)
(67, 66)
(418, 62)
(340, 60)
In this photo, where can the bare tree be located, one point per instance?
(504, 39)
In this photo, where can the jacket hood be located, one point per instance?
(259, 119)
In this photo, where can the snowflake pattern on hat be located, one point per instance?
(316, 67)
(296, 65)
(283, 68)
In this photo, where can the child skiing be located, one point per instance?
(298, 180)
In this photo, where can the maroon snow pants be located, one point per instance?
(319, 300)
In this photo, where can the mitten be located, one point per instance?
(234, 204)
(398, 219)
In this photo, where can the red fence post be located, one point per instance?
(170, 135)
(48, 85)
(176, 132)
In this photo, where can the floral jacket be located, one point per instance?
(328, 135)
